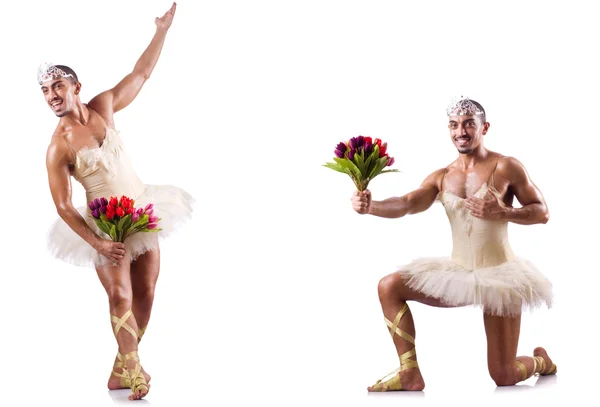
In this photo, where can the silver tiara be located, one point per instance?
(463, 106)
(48, 72)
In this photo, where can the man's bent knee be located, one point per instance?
(505, 375)
(390, 286)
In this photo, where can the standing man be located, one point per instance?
(86, 145)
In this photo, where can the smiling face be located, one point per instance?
(466, 132)
(61, 94)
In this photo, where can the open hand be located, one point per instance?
(488, 208)
(112, 250)
(165, 21)
(361, 201)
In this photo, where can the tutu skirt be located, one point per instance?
(502, 290)
(173, 205)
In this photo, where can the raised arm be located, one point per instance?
(415, 201)
(119, 97)
(533, 206)
(59, 179)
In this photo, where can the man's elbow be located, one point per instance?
(545, 217)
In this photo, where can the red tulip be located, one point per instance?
(382, 149)
(113, 201)
(120, 212)
(110, 214)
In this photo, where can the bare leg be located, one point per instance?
(393, 295)
(144, 274)
(117, 283)
(506, 369)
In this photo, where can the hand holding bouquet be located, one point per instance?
(120, 219)
(362, 159)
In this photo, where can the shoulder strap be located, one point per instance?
(442, 181)
(491, 180)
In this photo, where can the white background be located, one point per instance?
(269, 295)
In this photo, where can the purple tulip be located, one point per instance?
(340, 150)
(368, 148)
(351, 155)
(152, 218)
(360, 140)
(96, 213)
(92, 205)
(151, 226)
(104, 202)
(103, 209)
(135, 216)
(390, 162)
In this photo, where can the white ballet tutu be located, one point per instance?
(503, 290)
(173, 205)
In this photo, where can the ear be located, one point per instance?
(486, 127)
(77, 88)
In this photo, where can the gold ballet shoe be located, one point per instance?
(129, 377)
(538, 361)
(395, 384)
(125, 381)
(136, 378)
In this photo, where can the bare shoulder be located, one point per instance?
(434, 180)
(511, 169)
(58, 151)
(102, 105)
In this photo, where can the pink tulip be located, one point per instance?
(151, 226)
(135, 216)
(152, 218)
(149, 209)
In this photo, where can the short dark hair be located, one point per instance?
(68, 70)
(482, 116)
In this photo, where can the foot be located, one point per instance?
(139, 385)
(117, 383)
(550, 368)
(408, 380)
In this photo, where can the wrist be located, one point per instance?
(506, 213)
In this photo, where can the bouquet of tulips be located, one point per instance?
(362, 158)
(120, 219)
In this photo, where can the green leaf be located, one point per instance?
(337, 167)
(150, 230)
(113, 233)
(360, 163)
(103, 226)
(355, 172)
(393, 170)
(143, 220)
(381, 163)
(121, 224)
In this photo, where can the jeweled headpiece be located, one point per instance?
(463, 107)
(48, 72)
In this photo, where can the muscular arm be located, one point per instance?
(415, 201)
(119, 97)
(57, 164)
(534, 209)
